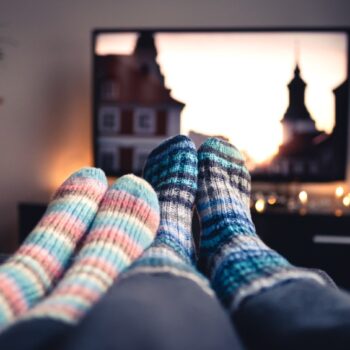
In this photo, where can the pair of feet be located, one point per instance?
(215, 180)
(113, 226)
(104, 229)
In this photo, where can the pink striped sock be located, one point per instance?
(125, 225)
(32, 270)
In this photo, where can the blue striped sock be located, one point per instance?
(238, 263)
(172, 170)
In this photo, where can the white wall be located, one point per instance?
(45, 127)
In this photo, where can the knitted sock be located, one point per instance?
(44, 255)
(172, 170)
(238, 263)
(125, 225)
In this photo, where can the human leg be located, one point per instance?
(31, 272)
(123, 227)
(298, 314)
(264, 293)
(162, 301)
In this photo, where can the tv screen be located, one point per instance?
(280, 96)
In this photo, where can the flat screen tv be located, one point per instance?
(280, 95)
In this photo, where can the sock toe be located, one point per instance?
(226, 150)
(174, 157)
(168, 144)
(138, 188)
(90, 172)
(220, 160)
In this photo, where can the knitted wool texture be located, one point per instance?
(44, 255)
(238, 263)
(125, 225)
(172, 170)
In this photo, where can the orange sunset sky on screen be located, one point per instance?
(235, 84)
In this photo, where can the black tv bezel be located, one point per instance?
(271, 179)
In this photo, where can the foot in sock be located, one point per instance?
(238, 263)
(42, 258)
(172, 170)
(124, 226)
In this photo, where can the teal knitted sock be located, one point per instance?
(27, 276)
(123, 228)
(238, 263)
(172, 171)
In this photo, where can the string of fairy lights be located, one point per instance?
(302, 202)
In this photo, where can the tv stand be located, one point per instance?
(317, 241)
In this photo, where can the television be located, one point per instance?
(280, 95)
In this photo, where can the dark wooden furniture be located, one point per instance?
(318, 241)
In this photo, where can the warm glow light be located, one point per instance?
(346, 201)
(302, 211)
(272, 200)
(338, 212)
(260, 205)
(339, 191)
(303, 197)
